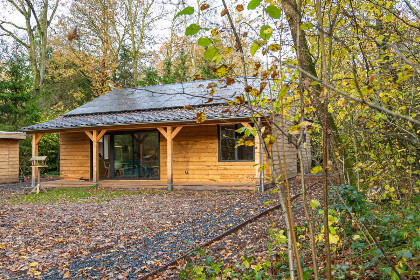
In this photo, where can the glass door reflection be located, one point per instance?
(149, 155)
(132, 155)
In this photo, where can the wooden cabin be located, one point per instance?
(150, 137)
(9, 156)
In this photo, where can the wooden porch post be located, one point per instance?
(95, 137)
(95, 161)
(169, 135)
(169, 153)
(35, 141)
(257, 159)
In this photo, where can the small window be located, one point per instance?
(228, 138)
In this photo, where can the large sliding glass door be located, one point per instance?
(132, 155)
(149, 155)
(126, 156)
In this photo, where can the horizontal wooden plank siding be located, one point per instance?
(196, 151)
(290, 151)
(74, 156)
(195, 159)
(9, 161)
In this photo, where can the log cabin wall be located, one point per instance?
(9, 161)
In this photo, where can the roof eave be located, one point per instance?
(145, 125)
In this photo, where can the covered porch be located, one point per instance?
(180, 156)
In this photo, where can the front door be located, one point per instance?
(132, 155)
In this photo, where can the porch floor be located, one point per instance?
(136, 184)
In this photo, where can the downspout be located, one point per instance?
(261, 158)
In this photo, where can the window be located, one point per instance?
(228, 138)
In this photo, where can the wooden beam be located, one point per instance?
(95, 162)
(162, 130)
(100, 135)
(176, 131)
(169, 154)
(143, 126)
(89, 134)
(39, 137)
(34, 154)
(95, 136)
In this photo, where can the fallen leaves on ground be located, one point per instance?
(125, 237)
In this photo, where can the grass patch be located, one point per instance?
(89, 194)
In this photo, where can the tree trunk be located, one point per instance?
(306, 63)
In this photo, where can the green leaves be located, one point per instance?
(283, 91)
(268, 202)
(211, 53)
(254, 48)
(306, 26)
(204, 41)
(265, 32)
(221, 71)
(273, 11)
(253, 4)
(192, 29)
(314, 203)
(186, 11)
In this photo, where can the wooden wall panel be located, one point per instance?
(74, 156)
(9, 161)
(196, 151)
(291, 152)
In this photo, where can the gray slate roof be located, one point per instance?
(178, 95)
(152, 104)
(156, 116)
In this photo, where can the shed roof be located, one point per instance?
(153, 105)
(12, 135)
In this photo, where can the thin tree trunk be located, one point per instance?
(306, 63)
(308, 217)
(299, 150)
(287, 202)
(320, 22)
(282, 195)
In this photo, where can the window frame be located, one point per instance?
(219, 144)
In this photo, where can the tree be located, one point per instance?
(99, 41)
(18, 106)
(33, 35)
(138, 21)
(352, 66)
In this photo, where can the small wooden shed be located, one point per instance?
(9, 156)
